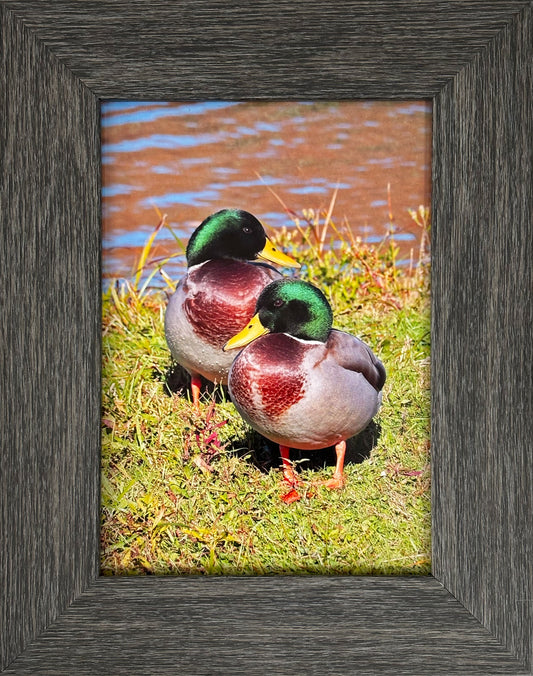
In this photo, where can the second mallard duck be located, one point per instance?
(304, 384)
(217, 296)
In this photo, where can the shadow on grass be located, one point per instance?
(260, 451)
(264, 454)
(176, 380)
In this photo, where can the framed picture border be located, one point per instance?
(474, 61)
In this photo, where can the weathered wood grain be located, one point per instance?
(49, 333)
(186, 49)
(474, 60)
(266, 625)
(482, 316)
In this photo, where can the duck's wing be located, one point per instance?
(353, 354)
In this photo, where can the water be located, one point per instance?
(191, 159)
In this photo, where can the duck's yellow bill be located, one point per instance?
(251, 331)
(274, 255)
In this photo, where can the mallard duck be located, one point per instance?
(217, 296)
(298, 381)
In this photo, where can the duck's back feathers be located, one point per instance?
(353, 354)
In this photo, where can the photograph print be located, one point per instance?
(266, 338)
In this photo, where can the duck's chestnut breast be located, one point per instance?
(268, 374)
(221, 296)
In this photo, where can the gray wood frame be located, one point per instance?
(473, 59)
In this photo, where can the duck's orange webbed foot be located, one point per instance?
(291, 496)
(338, 480)
(335, 483)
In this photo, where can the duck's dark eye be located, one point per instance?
(278, 302)
(247, 229)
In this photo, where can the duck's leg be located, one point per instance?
(289, 475)
(337, 480)
(196, 384)
(288, 471)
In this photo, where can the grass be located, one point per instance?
(185, 493)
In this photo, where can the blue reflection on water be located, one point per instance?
(198, 198)
(267, 126)
(326, 186)
(412, 108)
(403, 236)
(308, 190)
(165, 110)
(117, 189)
(225, 170)
(275, 216)
(113, 106)
(265, 180)
(126, 239)
(167, 141)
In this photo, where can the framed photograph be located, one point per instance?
(344, 189)
(473, 61)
